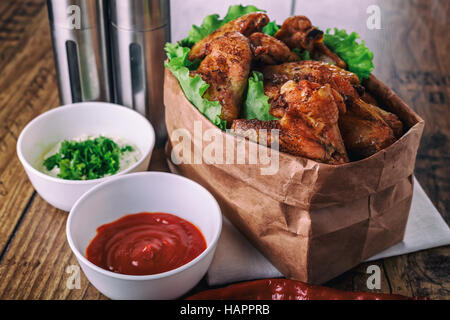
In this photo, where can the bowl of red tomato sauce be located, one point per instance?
(149, 235)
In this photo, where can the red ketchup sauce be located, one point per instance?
(145, 243)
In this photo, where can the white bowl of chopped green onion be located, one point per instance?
(68, 150)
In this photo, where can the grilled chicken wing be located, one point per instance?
(309, 122)
(345, 82)
(299, 142)
(366, 129)
(226, 69)
(269, 50)
(391, 120)
(298, 32)
(247, 24)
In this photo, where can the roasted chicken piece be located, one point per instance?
(300, 142)
(392, 121)
(269, 50)
(348, 85)
(226, 69)
(345, 82)
(298, 32)
(364, 130)
(309, 122)
(247, 24)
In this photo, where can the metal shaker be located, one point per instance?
(139, 31)
(82, 56)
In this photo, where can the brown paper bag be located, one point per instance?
(313, 221)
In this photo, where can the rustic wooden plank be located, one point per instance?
(27, 88)
(34, 267)
(423, 273)
(413, 62)
(14, 197)
(356, 279)
(16, 20)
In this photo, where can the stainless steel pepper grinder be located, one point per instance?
(82, 55)
(139, 30)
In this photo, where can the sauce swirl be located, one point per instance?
(145, 243)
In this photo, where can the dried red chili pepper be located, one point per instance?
(283, 289)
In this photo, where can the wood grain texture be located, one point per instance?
(27, 88)
(34, 266)
(411, 56)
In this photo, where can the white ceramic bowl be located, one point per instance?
(71, 121)
(144, 192)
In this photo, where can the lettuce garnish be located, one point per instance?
(256, 104)
(193, 87)
(212, 22)
(271, 28)
(357, 56)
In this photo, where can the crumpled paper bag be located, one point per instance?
(313, 221)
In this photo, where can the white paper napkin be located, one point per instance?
(237, 260)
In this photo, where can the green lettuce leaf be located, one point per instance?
(357, 56)
(212, 22)
(193, 87)
(303, 54)
(238, 11)
(271, 28)
(256, 104)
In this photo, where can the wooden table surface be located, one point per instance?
(411, 57)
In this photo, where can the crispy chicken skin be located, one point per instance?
(366, 129)
(268, 50)
(313, 108)
(365, 132)
(247, 24)
(298, 142)
(226, 69)
(298, 32)
(392, 121)
(308, 126)
(345, 82)
(257, 130)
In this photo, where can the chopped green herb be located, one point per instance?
(87, 160)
